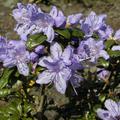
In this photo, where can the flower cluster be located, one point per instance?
(30, 20)
(53, 48)
(61, 63)
(14, 53)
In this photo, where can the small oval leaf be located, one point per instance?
(64, 32)
(35, 40)
(5, 77)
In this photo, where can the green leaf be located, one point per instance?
(2, 117)
(114, 53)
(27, 107)
(4, 92)
(103, 62)
(35, 40)
(96, 106)
(27, 118)
(77, 33)
(19, 108)
(109, 43)
(102, 97)
(17, 86)
(91, 116)
(12, 111)
(15, 107)
(64, 32)
(5, 77)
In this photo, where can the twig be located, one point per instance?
(42, 98)
(41, 105)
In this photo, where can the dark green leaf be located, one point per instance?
(35, 40)
(109, 43)
(102, 97)
(2, 117)
(96, 107)
(27, 107)
(5, 77)
(64, 32)
(103, 62)
(4, 92)
(77, 33)
(12, 111)
(15, 107)
(114, 53)
(91, 116)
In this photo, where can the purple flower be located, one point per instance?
(17, 55)
(73, 19)
(34, 57)
(112, 112)
(105, 32)
(57, 65)
(75, 80)
(104, 75)
(30, 20)
(58, 16)
(92, 23)
(39, 49)
(22, 14)
(91, 49)
(117, 35)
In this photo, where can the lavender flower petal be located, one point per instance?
(104, 54)
(58, 17)
(115, 48)
(113, 107)
(67, 55)
(39, 49)
(23, 68)
(60, 80)
(105, 32)
(74, 19)
(50, 33)
(112, 112)
(104, 75)
(56, 51)
(104, 114)
(117, 35)
(33, 57)
(45, 77)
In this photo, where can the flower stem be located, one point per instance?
(41, 104)
(42, 96)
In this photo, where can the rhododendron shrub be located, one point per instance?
(75, 55)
